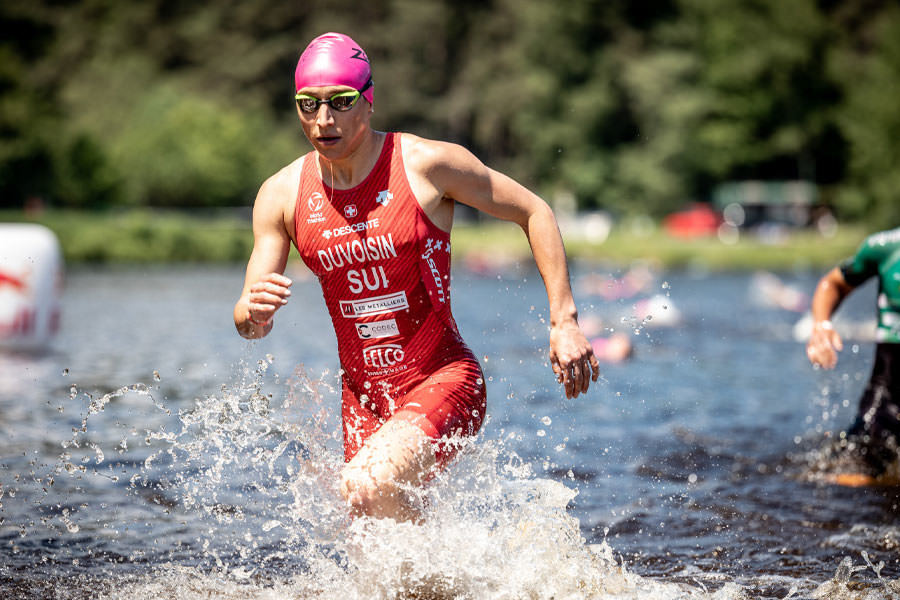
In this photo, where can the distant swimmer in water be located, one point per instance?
(637, 279)
(614, 348)
(370, 213)
(871, 444)
(609, 346)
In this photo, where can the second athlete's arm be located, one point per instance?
(824, 341)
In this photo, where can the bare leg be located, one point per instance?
(396, 456)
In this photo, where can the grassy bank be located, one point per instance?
(140, 236)
(795, 250)
(158, 237)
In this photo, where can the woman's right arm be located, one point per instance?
(266, 289)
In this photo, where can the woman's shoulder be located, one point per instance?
(426, 155)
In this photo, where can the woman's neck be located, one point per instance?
(349, 172)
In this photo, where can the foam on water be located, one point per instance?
(243, 487)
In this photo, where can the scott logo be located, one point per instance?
(385, 355)
(315, 202)
(433, 246)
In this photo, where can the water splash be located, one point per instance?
(491, 530)
(845, 586)
(246, 481)
(238, 499)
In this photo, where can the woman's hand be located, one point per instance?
(572, 358)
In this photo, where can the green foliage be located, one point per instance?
(146, 236)
(870, 121)
(184, 150)
(631, 107)
(84, 177)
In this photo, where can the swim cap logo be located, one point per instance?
(359, 54)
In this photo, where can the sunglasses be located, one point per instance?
(342, 101)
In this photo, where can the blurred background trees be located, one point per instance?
(633, 107)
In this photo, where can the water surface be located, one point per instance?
(153, 452)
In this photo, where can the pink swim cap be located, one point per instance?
(334, 59)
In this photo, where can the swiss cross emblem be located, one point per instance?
(350, 211)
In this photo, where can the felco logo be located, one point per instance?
(385, 355)
(315, 204)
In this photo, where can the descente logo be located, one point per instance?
(348, 229)
(384, 196)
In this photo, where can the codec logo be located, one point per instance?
(378, 329)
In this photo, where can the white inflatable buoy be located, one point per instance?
(31, 277)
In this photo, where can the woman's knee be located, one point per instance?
(368, 489)
(378, 480)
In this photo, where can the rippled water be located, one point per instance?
(154, 453)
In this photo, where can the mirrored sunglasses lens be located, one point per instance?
(308, 104)
(344, 102)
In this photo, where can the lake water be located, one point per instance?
(155, 453)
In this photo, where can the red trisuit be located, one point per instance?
(384, 268)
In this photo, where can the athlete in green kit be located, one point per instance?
(873, 438)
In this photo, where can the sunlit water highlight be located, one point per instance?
(179, 470)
